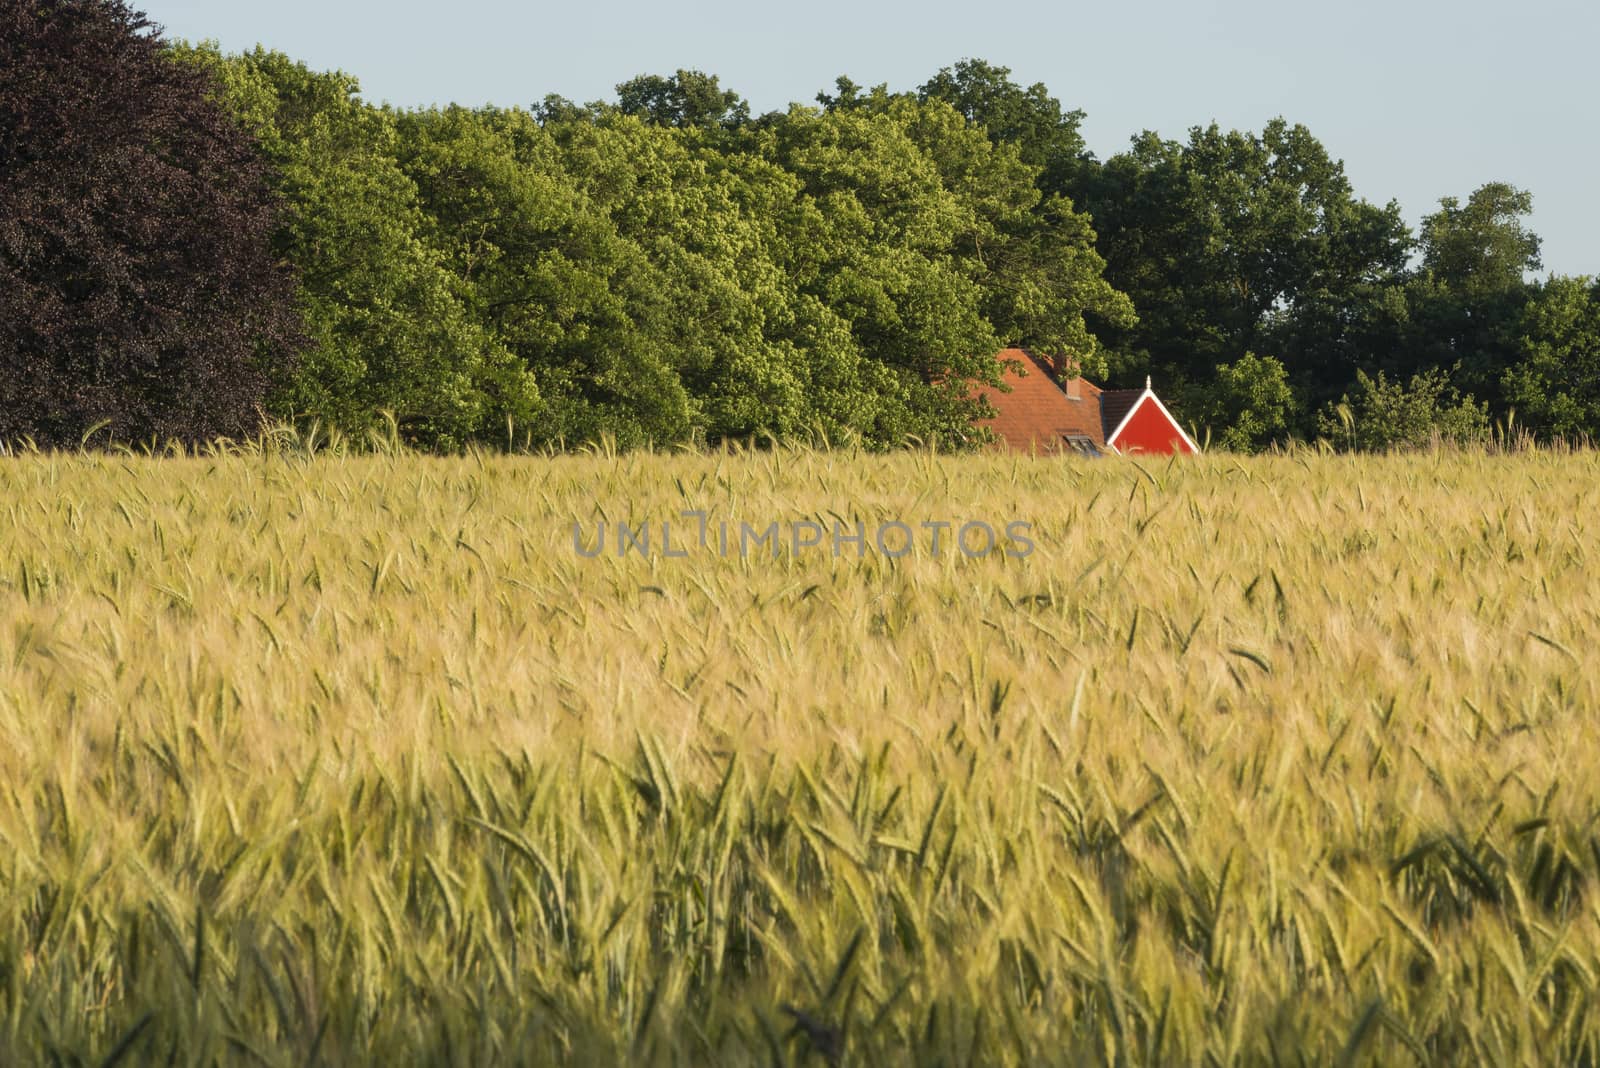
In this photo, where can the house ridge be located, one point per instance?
(1036, 414)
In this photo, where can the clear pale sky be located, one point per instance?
(1420, 98)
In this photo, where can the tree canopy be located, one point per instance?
(231, 235)
(661, 269)
(139, 290)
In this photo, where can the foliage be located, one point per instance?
(1555, 382)
(138, 290)
(687, 98)
(1388, 415)
(545, 273)
(663, 270)
(1029, 119)
(1031, 255)
(319, 759)
(667, 269)
(390, 324)
(1482, 245)
(1231, 242)
(1250, 404)
(881, 258)
(1469, 297)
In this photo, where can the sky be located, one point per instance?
(1421, 99)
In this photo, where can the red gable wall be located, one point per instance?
(1149, 430)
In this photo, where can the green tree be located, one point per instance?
(1232, 242)
(687, 98)
(880, 254)
(730, 238)
(653, 278)
(1481, 246)
(546, 275)
(1467, 302)
(1555, 382)
(1031, 255)
(389, 322)
(1031, 120)
(850, 95)
(1250, 403)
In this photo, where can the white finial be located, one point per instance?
(1146, 381)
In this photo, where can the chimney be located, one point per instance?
(1073, 392)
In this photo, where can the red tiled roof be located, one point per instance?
(1038, 415)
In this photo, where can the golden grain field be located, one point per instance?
(336, 759)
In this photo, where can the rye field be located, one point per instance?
(348, 759)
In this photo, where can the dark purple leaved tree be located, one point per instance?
(138, 286)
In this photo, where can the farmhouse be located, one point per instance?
(1039, 416)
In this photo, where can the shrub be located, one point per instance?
(1388, 415)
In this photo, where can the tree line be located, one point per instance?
(193, 242)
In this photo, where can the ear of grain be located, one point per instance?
(318, 754)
